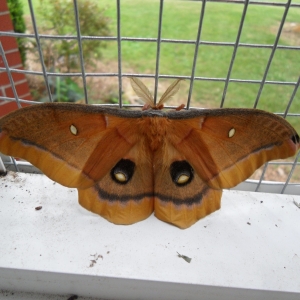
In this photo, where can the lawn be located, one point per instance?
(139, 18)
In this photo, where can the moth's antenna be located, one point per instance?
(170, 92)
(142, 91)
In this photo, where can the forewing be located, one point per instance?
(225, 146)
(75, 145)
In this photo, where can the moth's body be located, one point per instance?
(127, 164)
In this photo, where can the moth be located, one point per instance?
(126, 164)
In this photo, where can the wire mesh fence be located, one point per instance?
(230, 53)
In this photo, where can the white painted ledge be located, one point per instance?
(250, 249)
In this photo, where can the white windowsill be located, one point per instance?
(50, 250)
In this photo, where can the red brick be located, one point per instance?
(13, 59)
(4, 80)
(22, 89)
(3, 6)
(8, 42)
(5, 23)
(9, 107)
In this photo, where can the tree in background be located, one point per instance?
(58, 18)
(62, 55)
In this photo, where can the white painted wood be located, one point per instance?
(13, 295)
(250, 249)
(269, 187)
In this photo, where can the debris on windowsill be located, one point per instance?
(296, 203)
(186, 258)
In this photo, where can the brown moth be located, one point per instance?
(127, 164)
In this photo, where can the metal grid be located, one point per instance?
(197, 42)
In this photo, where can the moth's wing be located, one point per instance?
(212, 150)
(90, 148)
(225, 146)
(180, 201)
(129, 201)
(75, 145)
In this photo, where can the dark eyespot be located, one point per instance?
(296, 139)
(122, 171)
(181, 172)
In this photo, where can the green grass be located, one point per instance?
(180, 21)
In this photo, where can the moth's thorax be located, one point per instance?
(155, 130)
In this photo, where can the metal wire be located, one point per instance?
(80, 50)
(150, 40)
(9, 76)
(290, 174)
(272, 53)
(201, 18)
(197, 43)
(292, 98)
(119, 51)
(161, 7)
(37, 38)
(236, 45)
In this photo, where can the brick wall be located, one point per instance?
(14, 61)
